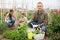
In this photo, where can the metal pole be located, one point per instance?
(14, 8)
(1, 11)
(26, 7)
(32, 4)
(22, 5)
(2, 8)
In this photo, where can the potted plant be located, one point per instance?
(38, 34)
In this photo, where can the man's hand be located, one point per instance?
(40, 24)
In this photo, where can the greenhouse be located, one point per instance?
(29, 20)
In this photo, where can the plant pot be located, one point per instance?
(39, 36)
(30, 35)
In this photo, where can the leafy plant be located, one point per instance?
(19, 15)
(29, 16)
(36, 32)
(22, 32)
(3, 26)
(53, 28)
(18, 34)
(0, 17)
(11, 35)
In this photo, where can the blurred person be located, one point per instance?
(23, 19)
(10, 18)
(40, 17)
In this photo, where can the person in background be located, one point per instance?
(23, 19)
(10, 18)
(40, 17)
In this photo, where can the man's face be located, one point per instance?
(40, 7)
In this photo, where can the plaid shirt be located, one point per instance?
(43, 18)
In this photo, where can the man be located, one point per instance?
(40, 17)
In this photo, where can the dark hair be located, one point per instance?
(10, 16)
(11, 10)
(24, 14)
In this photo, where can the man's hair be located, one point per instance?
(39, 3)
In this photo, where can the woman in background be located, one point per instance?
(23, 19)
(10, 18)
